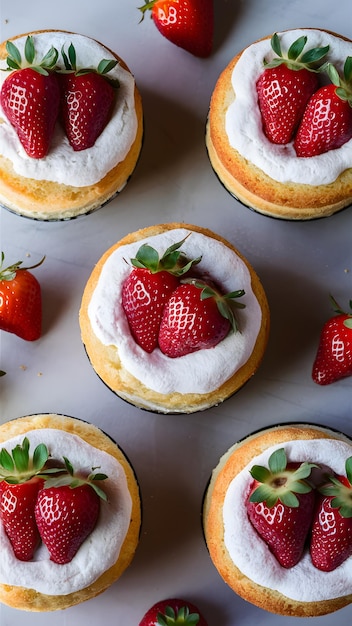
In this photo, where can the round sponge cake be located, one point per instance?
(267, 177)
(192, 382)
(241, 557)
(41, 584)
(68, 183)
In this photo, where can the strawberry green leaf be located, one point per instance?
(40, 456)
(146, 257)
(106, 65)
(99, 491)
(296, 48)
(348, 322)
(6, 461)
(264, 493)
(260, 473)
(315, 54)
(29, 50)
(14, 55)
(347, 70)
(182, 616)
(276, 45)
(69, 466)
(289, 499)
(21, 456)
(349, 469)
(278, 461)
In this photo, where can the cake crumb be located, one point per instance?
(23, 367)
(40, 373)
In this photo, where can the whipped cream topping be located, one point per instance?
(63, 164)
(251, 555)
(100, 550)
(244, 125)
(199, 372)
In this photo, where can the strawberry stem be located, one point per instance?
(9, 273)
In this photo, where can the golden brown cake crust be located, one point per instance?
(251, 185)
(31, 600)
(45, 200)
(231, 464)
(105, 359)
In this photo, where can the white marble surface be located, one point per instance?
(299, 264)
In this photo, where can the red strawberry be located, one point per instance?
(20, 481)
(87, 99)
(280, 506)
(331, 541)
(327, 120)
(173, 611)
(285, 87)
(188, 24)
(66, 512)
(20, 301)
(147, 289)
(196, 317)
(30, 98)
(333, 360)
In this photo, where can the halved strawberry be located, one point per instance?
(30, 97)
(327, 120)
(148, 287)
(285, 87)
(280, 506)
(87, 98)
(21, 477)
(67, 510)
(331, 540)
(196, 317)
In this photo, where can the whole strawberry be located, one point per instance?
(87, 99)
(327, 120)
(188, 24)
(30, 97)
(171, 612)
(285, 87)
(20, 480)
(66, 512)
(333, 360)
(147, 289)
(280, 506)
(20, 301)
(331, 540)
(196, 317)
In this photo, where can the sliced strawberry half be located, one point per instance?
(331, 540)
(30, 97)
(21, 477)
(280, 506)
